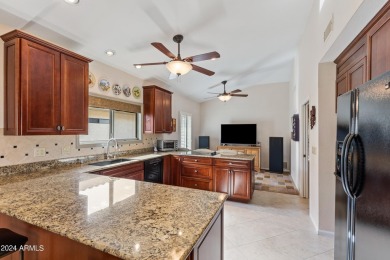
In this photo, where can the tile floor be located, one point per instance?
(273, 226)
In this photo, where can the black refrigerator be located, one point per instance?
(362, 224)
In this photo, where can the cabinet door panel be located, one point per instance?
(221, 179)
(379, 46)
(159, 112)
(357, 74)
(240, 184)
(341, 84)
(138, 176)
(167, 113)
(40, 89)
(74, 95)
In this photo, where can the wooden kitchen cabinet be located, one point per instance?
(196, 172)
(367, 56)
(234, 177)
(157, 110)
(133, 171)
(46, 87)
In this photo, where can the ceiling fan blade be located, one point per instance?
(163, 49)
(235, 91)
(203, 70)
(204, 56)
(148, 64)
(239, 95)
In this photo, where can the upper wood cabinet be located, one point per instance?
(368, 55)
(157, 110)
(46, 87)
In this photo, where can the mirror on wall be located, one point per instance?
(109, 118)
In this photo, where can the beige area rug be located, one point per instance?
(275, 182)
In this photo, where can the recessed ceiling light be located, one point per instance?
(110, 52)
(73, 2)
(138, 66)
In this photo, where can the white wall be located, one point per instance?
(350, 16)
(266, 105)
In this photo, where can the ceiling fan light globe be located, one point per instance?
(179, 67)
(224, 98)
(138, 66)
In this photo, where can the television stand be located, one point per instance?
(246, 149)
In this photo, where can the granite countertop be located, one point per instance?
(141, 220)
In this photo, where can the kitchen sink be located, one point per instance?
(104, 163)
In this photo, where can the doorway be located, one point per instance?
(305, 150)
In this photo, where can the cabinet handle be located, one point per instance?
(230, 163)
(196, 185)
(58, 128)
(196, 170)
(62, 128)
(196, 160)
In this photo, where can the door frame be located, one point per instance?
(304, 191)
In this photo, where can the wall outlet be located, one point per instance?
(39, 152)
(66, 149)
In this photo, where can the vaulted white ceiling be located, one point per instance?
(257, 39)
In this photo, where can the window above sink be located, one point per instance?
(109, 118)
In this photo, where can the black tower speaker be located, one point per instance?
(276, 154)
(204, 142)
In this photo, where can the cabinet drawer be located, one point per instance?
(232, 163)
(198, 160)
(194, 183)
(124, 169)
(199, 171)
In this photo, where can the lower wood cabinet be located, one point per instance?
(133, 171)
(234, 177)
(196, 172)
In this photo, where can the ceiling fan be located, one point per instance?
(226, 96)
(179, 66)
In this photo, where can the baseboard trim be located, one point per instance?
(325, 233)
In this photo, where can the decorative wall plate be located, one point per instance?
(91, 80)
(136, 92)
(116, 89)
(104, 85)
(126, 91)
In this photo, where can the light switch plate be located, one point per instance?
(314, 150)
(39, 152)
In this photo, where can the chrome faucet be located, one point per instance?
(108, 154)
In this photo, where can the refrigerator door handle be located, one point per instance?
(344, 164)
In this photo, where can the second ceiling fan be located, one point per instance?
(226, 96)
(179, 66)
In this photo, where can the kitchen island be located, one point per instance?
(100, 217)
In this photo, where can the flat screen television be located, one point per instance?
(238, 134)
